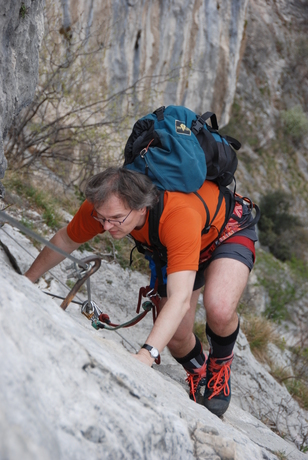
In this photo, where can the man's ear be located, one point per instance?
(143, 210)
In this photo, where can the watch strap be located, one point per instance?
(150, 348)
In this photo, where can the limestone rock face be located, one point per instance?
(192, 48)
(21, 29)
(201, 40)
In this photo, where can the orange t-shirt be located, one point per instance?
(180, 226)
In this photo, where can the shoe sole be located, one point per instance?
(216, 406)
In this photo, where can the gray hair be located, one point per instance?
(134, 189)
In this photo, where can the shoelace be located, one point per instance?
(220, 377)
(193, 381)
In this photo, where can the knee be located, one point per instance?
(220, 314)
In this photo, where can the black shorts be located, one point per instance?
(226, 250)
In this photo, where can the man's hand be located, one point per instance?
(144, 357)
(48, 258)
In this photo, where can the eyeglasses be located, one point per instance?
(102, 220)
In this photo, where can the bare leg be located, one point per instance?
(225, 281)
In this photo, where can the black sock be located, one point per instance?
(195, 358)
(221, 347)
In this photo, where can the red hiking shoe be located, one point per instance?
(196, 381)
(217, 394)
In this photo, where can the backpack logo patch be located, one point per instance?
(181, 128)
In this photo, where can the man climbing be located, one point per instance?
(218, 256)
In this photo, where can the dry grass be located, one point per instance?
(259, 333)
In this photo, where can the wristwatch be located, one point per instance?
(153, 351)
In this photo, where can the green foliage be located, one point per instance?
(299, 391)
(79, 194)
(120, 250)
(295, 124)
(299, 268)
(282, 290)
(279, 299)
(199, 330)
(23, 10)
(70, 283)
(281, 231)
(239, 127)
(275, 215)
(265, 90)
(85, 247)
(43, 200)
(249, 128)
(296, 384)
(301, 53)
(27, 223)
(281, 455)
(51, 217)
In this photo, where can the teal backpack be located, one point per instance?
(178, 150)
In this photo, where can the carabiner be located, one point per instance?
(90, 270)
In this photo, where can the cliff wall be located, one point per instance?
(21, 29)
(191, 47)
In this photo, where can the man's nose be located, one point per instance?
(107, 225)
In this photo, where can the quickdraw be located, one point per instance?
(101, 320)
(151, 304)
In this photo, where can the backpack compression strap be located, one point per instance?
(197, 126)
(201, 120)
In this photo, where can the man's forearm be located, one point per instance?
(48, 258)
(167, 323)
(172, 314)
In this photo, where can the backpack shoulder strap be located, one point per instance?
(156, 249)
(156, 212)
(159, 252)
(154, 218)
(208, 223)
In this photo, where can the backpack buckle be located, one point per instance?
(206, 230)
(197, 125)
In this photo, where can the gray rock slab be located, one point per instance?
(18, 248)
(69, 391)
